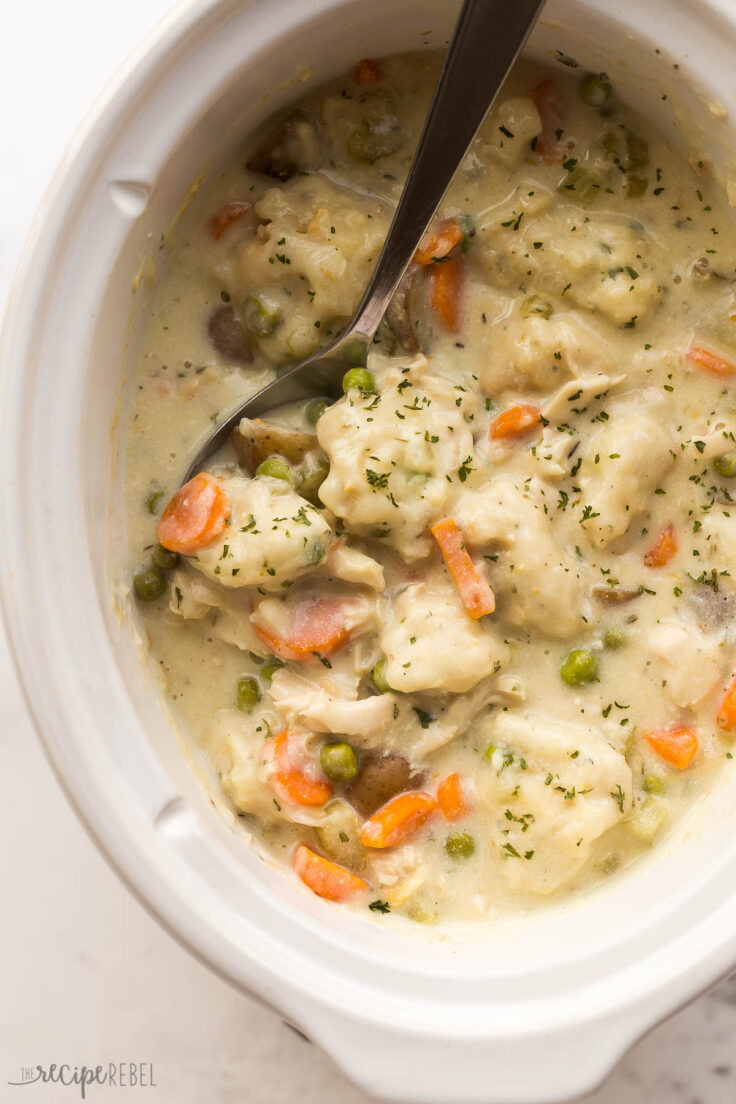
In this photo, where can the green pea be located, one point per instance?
(339, 761)
(149, 585)
(310, 481)
(315, 410)
(249, 692)
(595, 90)
(614, 638)
(579, 666)
(152, 499)
(460, 845)
(534, 305)
(358, 379)
(275, 467)
(261, 313)
(725, 465)
(379, 677)
(268, 670)
(653, 784)
(163, 558)
(635, 185)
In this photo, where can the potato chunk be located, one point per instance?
(254, 439)
(511, 127)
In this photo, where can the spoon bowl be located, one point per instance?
(488, 37)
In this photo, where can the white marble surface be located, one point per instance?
(87, 975)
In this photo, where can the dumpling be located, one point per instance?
(623, 464)
(395, 456)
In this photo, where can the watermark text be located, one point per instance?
(120, 1075)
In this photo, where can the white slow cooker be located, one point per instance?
(529, 1012)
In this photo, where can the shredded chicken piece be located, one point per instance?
(300, 700)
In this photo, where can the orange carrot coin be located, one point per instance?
(663, 550)
(474, 588)
(677, 744)
(366, 71)
(547, 102)
(450, 797)
(326, 879)
(445, 291)
(318, 627)
(195, 516)
(439, 242)
(295, 782)
(225, 216)
(709, 361)
(398, 819)
(515, 421)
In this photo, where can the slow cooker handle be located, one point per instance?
(513, 1066)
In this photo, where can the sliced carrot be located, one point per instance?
(677, 744)
(663, 550)
(439, 242)
(709, 361)
(547, 102)
(398, 819)
(445, 292)
(318, 626)
(295, 782)
(225, 216)
(726, 718)
(515, 421)
(366, 71)
(450, 797)
(195, 516)
(475, 590)
(326, 879)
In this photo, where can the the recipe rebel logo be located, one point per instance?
(118, 1075)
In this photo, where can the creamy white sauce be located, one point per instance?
(584, 277)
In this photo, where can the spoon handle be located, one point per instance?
(488, 37)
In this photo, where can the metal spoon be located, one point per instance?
(488, 37)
